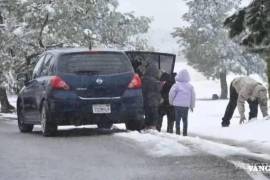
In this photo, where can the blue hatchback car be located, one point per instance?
(71, 86)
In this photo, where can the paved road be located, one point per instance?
(92, 154)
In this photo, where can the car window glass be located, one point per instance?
(95, 63)
(46, 65)
(36, 71)
(166, 63)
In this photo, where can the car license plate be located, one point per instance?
(101, 108)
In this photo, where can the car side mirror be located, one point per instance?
(22, 77)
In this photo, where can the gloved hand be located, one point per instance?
(162, 83)
(242, 120)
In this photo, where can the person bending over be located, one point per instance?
(245, 89)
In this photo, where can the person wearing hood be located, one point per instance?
(151, 87)
(245, 89)
(182, 97)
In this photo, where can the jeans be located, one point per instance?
(181, 113)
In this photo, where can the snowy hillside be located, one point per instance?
(200, 83)
(206, 87)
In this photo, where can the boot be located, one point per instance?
(170, 125)
(169, 130)
(178, 131)
(185, 134)
(225, 123)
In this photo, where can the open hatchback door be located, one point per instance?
(140, 59)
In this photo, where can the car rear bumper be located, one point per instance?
(79, 111)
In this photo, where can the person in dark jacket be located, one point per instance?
(165, 108)
(151, 87)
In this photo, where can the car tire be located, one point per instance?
(24, 128)
(48, 128)
(105, 125)
(135, 125)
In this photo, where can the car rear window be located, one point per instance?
(95, 63)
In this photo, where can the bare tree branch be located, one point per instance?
(1, 19)
(42, 29)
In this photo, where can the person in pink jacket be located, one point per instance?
(182, 97)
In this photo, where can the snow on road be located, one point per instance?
(163, 144)
(158, 146)
(246, 167)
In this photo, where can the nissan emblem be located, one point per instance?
(99, 81)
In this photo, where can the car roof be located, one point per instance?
(150, 52)
(59, 51)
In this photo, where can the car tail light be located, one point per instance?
(58, 83)
(135, 83)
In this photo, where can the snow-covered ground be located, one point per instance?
(204, 87)
(163, 144)
(205, 121)
(251, 139)
(206, 133)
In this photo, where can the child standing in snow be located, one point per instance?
(182, 97)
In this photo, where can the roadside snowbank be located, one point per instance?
(158, 146)
(163, 144)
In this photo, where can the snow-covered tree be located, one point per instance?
(252, 24)
(37, 24)
(28, 27)
(206, 44)
(6, 57)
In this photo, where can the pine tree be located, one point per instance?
(253, 24)
(206, 44)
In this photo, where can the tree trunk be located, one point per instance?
(248, 70)
(5, 105)
(1, 18)
(223, 84)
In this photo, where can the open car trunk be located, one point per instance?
(140, 59)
